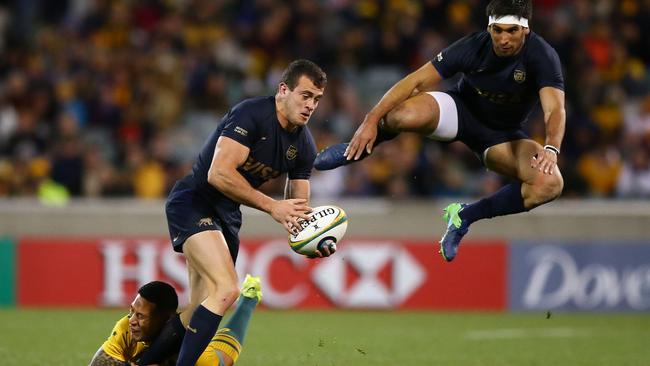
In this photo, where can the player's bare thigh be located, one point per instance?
(419, 114)
(512, 159)
(208, 254)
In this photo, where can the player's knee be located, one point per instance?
(548, 188)
(396, 118)
(226, 293)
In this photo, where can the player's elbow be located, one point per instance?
(396, 118)
(218, 177)
(556, 114)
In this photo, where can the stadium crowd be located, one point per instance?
(114, 98)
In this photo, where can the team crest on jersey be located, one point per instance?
(292, 152)
(519, 76)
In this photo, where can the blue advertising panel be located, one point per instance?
(600, 276)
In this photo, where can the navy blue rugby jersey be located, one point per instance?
(273, 150)
(500, 91)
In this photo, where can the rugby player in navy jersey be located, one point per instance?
(505, 71)
(257, 140)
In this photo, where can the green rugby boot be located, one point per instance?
(456, 229)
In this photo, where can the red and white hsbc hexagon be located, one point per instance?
(354, 277)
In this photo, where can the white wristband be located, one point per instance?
(552, 148)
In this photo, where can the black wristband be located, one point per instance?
(552, 148)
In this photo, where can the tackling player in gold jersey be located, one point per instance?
(154, 304)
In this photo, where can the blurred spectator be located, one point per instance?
(634, 179)
(600, 167)
(110, 98)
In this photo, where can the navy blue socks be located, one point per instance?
(506, 201)
(200, 331)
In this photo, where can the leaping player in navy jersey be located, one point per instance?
(506, 70)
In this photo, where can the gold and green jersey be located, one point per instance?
(121, 346)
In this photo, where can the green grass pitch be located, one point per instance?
(71, 336)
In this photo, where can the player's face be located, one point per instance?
(299, 103)
(144, 322)
(507, 39)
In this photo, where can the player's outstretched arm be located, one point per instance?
(101, 358)
(228, 156)
(422, 79)
(552, 101)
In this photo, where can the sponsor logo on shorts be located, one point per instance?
(206, 221)
(439, 57)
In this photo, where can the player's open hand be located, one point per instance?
(544, 161)
(363, 139)
(289, 212)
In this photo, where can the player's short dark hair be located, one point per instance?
(520, 8)
(301, 67)
(161, 294)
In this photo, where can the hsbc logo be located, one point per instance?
(138, 261)
(404, 275)
(361, 274)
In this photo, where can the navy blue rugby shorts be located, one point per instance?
(189, 213)
(477, 135)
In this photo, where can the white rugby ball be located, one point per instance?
(326, 223)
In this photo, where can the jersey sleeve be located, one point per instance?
(118, 344)
(548, 68)
(306, 158)
(454, 58)
(239, 125)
